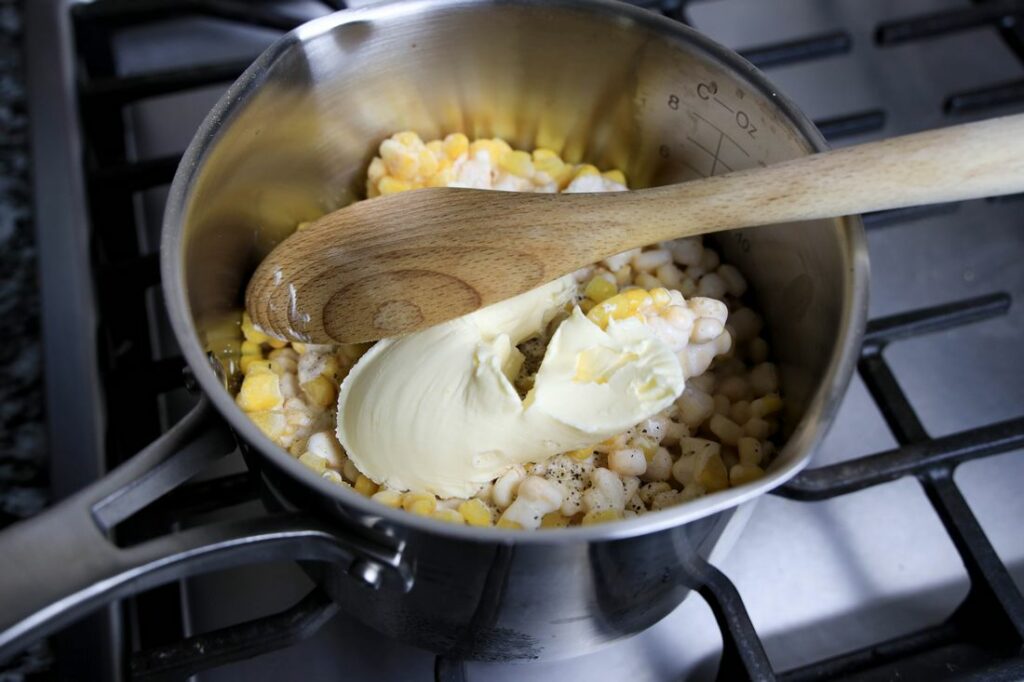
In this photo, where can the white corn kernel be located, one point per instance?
(764, 379)
(735, 283)
(749, 451)
(506, 485)
(712, 286)
(734, 388)
(660, 466)
(686, 251)
(324, 444)
(746, 324)
(670, 275)
(728, 431)
(628, 462)
(647, 261)
(694, 406)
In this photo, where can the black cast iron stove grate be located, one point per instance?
(983, 638)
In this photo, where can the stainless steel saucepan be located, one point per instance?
(598, 81)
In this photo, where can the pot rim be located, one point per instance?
(806, 436)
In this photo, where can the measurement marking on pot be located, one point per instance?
(722, 132)
(724, 105)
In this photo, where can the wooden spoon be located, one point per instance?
(400, 263)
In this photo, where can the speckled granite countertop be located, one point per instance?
(23, 480)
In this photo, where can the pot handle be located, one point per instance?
(61, 563)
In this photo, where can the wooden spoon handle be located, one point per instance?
(949, 164)
(403, 262)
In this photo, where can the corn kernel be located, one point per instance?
(740, 474)
(555, 520)
(582, 454)
(377, 170)
(586, 305)
(333, 476)
(250, 332)
(615, 176)
(272, 424)
(320, 391)
(260, 391)
(517, 163)
(251, 348)
(455, 145)
(436, 148)
(507, 523)
(601, 516)
(766, 405)
(314, 462)
(449, 515)
(407, 138)
(247, 361)
(599, 289)
(390, 185)
(476, 513)
(276, 343)
(364, 486)
(419, 503)
(389, 498)
(494, 150)
(542, 154)
(428, 163)
(750, 451)
(586, 169)
(713, 476)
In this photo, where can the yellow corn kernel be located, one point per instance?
(276, 343)
(407, 138)
(272, 424)
(599, 289)
(507, 523)
(615, 176)
(402, 162)
(619, 307)
(555, 520)
(436, 148)
(765, 405)
(297, 448)
(377, 170)
(314, 462)
(449, 515)
(299, 348)
(476, 513)
(495, 149)
(586, 169)
(455, 145)
(364, 486)
(601, 516)
(581, 455)
(542, 154)
(260, 391)
(419, 503)
(740, 474)
(441, 178)
(258, 366)
(250, 332)
(428, 163)
(390, 185)
(713, 476)
(247, 361)
(517, 163)
(586, 305)
(251, 348)
(389, 498)
(320, 391)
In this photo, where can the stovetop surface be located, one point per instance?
(818, 579)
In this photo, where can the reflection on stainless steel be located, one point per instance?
(596, 82)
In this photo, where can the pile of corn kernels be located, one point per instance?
(716, 435)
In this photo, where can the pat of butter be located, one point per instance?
(437, 411)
